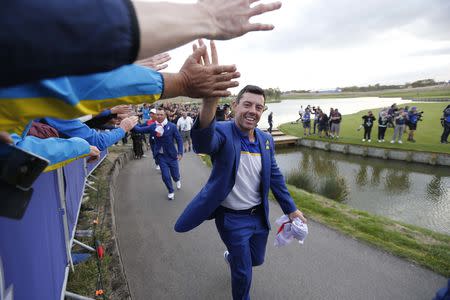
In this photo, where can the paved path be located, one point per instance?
(162, 264)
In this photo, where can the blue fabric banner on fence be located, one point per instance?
(74, 177)
(33, 257)
(33, 249)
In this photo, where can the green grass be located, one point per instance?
(427, 135)
(418, 245)
(84, 280)
(415, 93)
(301, 180)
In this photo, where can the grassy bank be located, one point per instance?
(418, 245)
(410, 93)
(427, 135)
(84, 280)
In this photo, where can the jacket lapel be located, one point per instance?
(264, 147)
(237, 147)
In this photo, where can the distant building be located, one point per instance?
(323, 91)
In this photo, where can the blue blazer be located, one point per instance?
(222, 142)
(166, 141)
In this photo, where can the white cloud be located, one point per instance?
(325, 44)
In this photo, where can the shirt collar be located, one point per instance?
(244, 136)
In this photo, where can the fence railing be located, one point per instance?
(35, 251)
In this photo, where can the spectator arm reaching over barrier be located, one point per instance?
(74, 96)
(56, 150)
(97, 36)
(71, 97)
(100, 139)
(171, 25)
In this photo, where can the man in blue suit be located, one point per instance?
(236, 194)
(164, 150)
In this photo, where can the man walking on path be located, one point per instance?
(270, 121)
(165, 152)
(236, 194)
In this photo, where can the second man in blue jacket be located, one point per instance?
(164, 150)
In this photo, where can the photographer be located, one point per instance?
(382, 125)
(368, 120)
(392, 112)
(220, 113)
(400, 121)
(316, 113)
(413, 117)
(307, 122)
(445, 121)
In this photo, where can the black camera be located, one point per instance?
(420, 115)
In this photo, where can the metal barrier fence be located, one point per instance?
(35, 252)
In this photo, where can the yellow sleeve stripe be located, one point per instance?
(62, 164)
(16, 113)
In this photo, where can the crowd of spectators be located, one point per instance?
(323, 125)
(180, 114)
(403, 121)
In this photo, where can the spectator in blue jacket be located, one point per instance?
(55, 150)
(400, 121)
(413, 117)
(446, 124)
(71, 97)
(165, 133)
(100, 121)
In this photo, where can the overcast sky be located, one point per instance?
(318, 44)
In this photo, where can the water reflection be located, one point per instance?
(361, 177)
(412, 193)
(376, 172)
(435, 189)
(324, 178)
(397, 181)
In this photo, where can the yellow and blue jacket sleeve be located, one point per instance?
(56, 150)
(74, 96)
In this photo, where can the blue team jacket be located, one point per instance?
(75, 96)
(222, 141)
(49, 38)
(166, 141)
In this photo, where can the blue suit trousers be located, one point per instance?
(245, 237)
(169, 168)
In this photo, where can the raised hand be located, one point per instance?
(121, 109)
(203, 80)
(157, 62)
(5, 138)
(230, 19)
(94, 154)
(128, 123)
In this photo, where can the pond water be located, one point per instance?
(287, 110)
(412, 193)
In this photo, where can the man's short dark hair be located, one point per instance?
(253, 89)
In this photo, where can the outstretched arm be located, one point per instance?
(205, 139)
(280, 191)
(164, 26)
